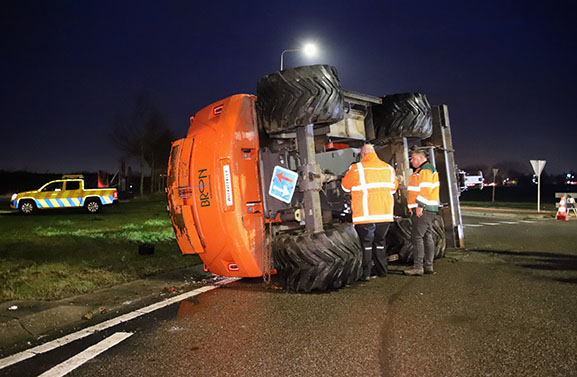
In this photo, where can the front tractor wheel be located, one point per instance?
(299, 96)
(319, 261)
(27, 207)
(92, 205)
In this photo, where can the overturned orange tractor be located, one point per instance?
(254, 187)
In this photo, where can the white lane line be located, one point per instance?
(21, 356)
(528, 221)
(472, 225)
(510, 222)
(493, 224)
(88, 354)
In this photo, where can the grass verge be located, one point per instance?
(62, 253)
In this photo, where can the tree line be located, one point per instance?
(143, 134)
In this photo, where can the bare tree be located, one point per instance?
(158, 139)
(143, 135)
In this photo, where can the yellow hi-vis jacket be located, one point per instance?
(423, 188)
(372, 184)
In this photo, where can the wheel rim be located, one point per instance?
(92, 207)
(27, 207)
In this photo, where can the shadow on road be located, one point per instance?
(541, 261)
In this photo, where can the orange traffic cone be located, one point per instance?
(562, 212)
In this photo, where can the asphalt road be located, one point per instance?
(505, 306)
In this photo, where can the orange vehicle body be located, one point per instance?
(214, 190)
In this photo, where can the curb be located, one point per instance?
(27, 323)
(506, 212)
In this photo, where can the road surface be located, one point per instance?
(504, 306)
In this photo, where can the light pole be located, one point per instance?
(309, 49)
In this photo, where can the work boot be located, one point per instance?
(414, 272)
(429, 270)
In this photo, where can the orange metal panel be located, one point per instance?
(181, 213)
(225, 195)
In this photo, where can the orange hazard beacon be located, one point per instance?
(214, 194)
(255, 186)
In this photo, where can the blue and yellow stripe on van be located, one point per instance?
(59, 202)
(71, 202)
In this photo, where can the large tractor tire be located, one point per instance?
(318, 262)
(439, 237)
(299, 96)
(399, 239)
(403, 115)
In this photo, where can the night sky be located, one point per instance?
(506, 69)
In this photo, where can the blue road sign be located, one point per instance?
(282, 184)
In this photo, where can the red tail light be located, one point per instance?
(115, 194)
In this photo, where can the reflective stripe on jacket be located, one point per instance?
(423, 189)
(372, 184)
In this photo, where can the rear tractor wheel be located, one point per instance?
(399, 239)
(403, 115)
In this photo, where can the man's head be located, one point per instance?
(366, 149)
(417, 158)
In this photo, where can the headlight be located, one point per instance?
(14, 196)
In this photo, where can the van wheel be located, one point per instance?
(318, 262)
(92, 205)
(298, 97)
(27, 207)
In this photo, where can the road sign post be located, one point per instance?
(495, 171)
(538, 166)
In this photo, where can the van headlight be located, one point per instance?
(14, 196)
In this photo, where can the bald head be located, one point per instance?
(366, 149)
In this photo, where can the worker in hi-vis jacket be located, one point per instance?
(423, 202)
(372, 184)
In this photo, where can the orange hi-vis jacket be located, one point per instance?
(423, 188)
(372, 184)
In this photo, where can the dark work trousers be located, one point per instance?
(422, 239)
(372, 238)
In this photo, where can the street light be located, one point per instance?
(309, 49)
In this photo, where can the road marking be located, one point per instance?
(21, 356)
(88, 354)
(501, 222)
